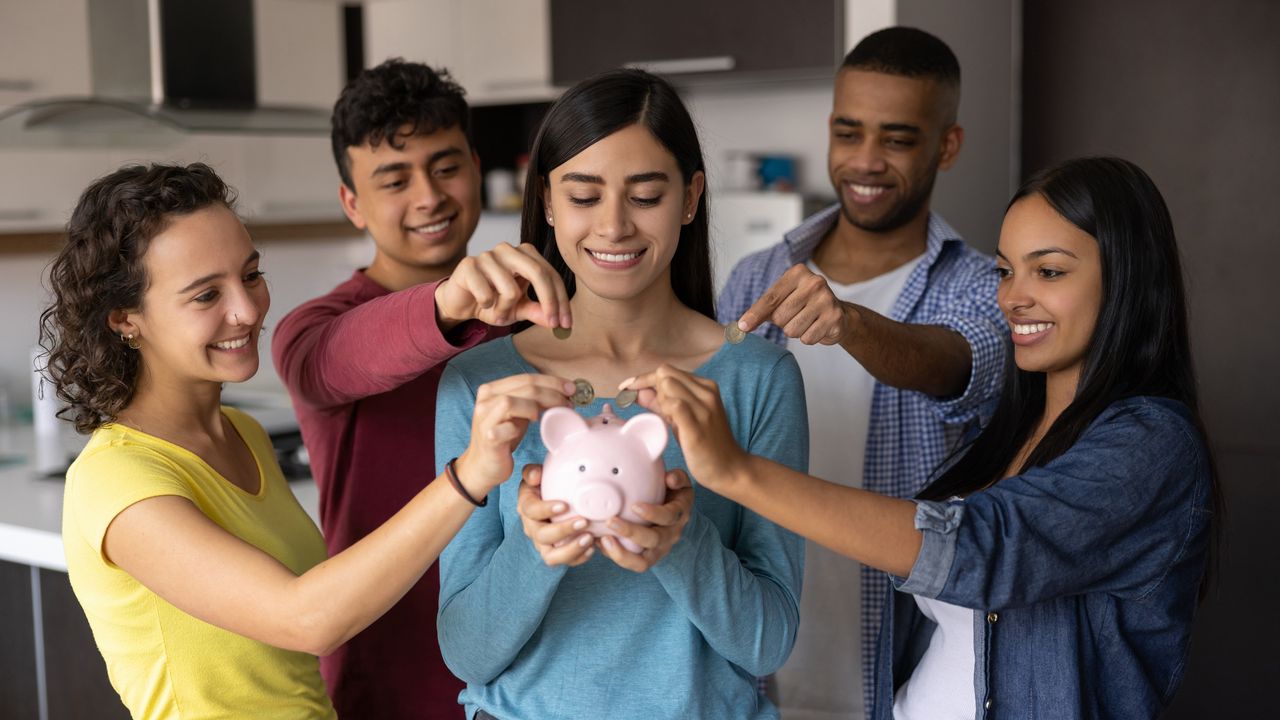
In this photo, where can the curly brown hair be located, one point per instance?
(100, 269)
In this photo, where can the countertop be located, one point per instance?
(31, 506)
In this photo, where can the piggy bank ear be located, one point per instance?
(558, 424)
(650, 431)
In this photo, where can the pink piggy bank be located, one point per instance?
(602, 466)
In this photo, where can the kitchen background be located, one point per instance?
(1189, 91)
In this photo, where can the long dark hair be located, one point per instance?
(596, 108)
(101, 269)
(1140, 345)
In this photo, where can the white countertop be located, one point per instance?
(31, 506)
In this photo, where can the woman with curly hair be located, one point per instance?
(204, 581)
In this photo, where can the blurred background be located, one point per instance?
(1188, 90)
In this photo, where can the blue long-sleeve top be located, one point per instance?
(685, 639)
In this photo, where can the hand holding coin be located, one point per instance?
(803, 306)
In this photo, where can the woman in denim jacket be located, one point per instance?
(1051, 569)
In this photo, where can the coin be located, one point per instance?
(733, 334)
(626, 398)
(561, 333)
(583, 393)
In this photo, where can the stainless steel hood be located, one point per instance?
(160, 68)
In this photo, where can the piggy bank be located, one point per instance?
(602, 466)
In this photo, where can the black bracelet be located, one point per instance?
(457, 485)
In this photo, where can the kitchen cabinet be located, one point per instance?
(49, 665)
(44, 50)
(498, 50)
(710, 40)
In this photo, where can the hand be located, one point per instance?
(493, 288)
(692, 406)
(803, 306)
(504, 409)
(559, 543)
(655, 540)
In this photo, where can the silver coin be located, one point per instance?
(627, 398)
(733, 334)
(561, 333)
(583, 393)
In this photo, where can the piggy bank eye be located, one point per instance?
(615, 471)
(582, 468)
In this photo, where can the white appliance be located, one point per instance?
(745, 222)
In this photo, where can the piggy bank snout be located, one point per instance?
(598, 501)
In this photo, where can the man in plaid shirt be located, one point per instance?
(913, 311)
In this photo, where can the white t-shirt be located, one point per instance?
(823, 678)
(941, 686)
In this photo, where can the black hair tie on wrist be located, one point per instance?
(457, 484)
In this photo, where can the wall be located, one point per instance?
(1190, 92)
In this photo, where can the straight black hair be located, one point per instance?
(594, 109)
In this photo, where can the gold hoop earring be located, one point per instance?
(130, 340)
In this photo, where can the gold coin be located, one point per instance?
(734, 334)
(561, 333)
(583, 393)
(627, 398)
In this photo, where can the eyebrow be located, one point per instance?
(1041, 253)
(401, 165)
(215, 276)
(653, 176)
(888, 127)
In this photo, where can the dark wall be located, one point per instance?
(1191, 92)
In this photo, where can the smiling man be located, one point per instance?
(913, 311)
(363, 362)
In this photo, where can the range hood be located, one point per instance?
(161, 68)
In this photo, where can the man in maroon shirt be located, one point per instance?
(362, 363)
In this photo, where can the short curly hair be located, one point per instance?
(380, 102)
(100, 269)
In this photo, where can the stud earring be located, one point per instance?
(130, 341)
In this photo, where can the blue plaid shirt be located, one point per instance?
(910, 432)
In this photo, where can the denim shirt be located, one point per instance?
(1083, 573)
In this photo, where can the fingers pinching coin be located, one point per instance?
(734, 334)
(561, 333)
(583, 392)
(626, 398)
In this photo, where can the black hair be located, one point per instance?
(394, 100)
(905, 51)
(101, 269)
(596, 108)
(1140, 344)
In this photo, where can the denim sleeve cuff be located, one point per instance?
(986, 352)
(938, 521)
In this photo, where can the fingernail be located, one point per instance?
(608, 542)
(570, 388)
(615, 525)
(590, 551)
(638, 510)
(579, 524)
(742, 325)
(559, 507)
(626, 383)
(585, 540)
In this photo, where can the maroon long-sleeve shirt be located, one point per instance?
(362, 365)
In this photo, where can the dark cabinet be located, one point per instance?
(47, 656)
(738, 39)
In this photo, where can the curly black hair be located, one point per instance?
(100, 269)
(394, 100)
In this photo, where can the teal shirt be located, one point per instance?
(685, 639)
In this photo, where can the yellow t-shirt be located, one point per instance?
(165, 663)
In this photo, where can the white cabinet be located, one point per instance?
(498, 50)
(299, 52)
(746, 222)
(44, 50)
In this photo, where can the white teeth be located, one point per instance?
(609, 257)
(1031, 329)
(866, 190)
(434, 228)
(232, 344)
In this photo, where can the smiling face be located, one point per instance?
(1050, 287)
(420, 203)
(202, 312)
(889, 136)
(616, 209)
